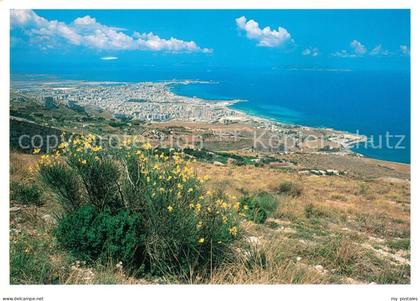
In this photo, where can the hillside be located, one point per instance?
(349, 226)
(332, 229)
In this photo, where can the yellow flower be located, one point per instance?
(199, 225)
(237, 205)
(162, 189)
(233, 231)
(62, 145)
(198, 207)
(147, 146)
(170, 209)
(156, 167)
(192, 205)
(190, 190)
(83, 161)
(179, 186)
(225, 219)
(96, 148)
(36, 150)
(201, 240)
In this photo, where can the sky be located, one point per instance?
(43, 40)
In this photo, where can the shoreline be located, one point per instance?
(261, 118)
(270, 121)
(344, 138)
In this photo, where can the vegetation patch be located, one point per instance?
(311, 211)
(289, 188)
(399, 244)
(258, 207)
(141, 207)
(26, 194)
(30, 263)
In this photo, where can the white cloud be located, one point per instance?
(109, 58)
(379, 51)
(404, 50)
(265, 37)
(358, 48)
(310, 51)
(86, 20)
(87, 32)
(343, 53)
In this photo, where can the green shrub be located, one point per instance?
(186, 230)
(258, 207)
(64, 182)
(100, 178)
(90, 234)
(26, 193)
(29, 262)
(267, 202)
(140, 206)
(290, 188)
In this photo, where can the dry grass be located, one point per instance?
(350, 213)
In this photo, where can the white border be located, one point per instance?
(242, 292)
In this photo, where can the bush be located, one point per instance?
(258, 207)
(290, 188)
(90, 234)
(26, 193)
(267, 202)
(64, 182)
(140, 206)
(100, 178)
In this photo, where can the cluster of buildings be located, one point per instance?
(149, 101)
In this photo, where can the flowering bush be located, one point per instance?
(179, 227)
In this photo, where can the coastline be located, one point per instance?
(346, 139)
(266, 119)
(272, 122)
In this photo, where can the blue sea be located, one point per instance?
(371, 103)
(368, 103)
